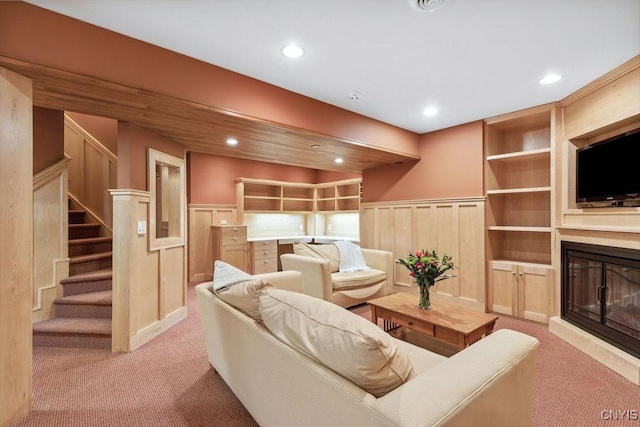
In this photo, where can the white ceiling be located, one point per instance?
(471, 59)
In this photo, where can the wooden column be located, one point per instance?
(16, 237)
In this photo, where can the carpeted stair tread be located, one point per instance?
(90, 276)
(91, 298)
(84, 326)
(73, 242)
(90, 257)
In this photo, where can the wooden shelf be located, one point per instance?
(256, 195)
(522, 156)
(519, 190)
(520, 229)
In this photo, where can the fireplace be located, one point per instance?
(601, 292)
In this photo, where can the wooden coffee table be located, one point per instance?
(445, 322)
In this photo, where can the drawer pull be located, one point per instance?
(235, 229)
(266, 253)
(235, 238)
(266, 261)
(265, 243)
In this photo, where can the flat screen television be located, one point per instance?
(609, 171)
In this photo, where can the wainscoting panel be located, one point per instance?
(451, 226)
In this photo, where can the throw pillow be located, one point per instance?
(225, 275)
(245, 296)
(328, 252)
(348, 344)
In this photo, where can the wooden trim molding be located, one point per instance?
(50, 173)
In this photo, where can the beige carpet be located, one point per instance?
(168, 382)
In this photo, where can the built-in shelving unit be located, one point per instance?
(258, 195)
(519, 238)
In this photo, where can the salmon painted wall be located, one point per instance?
(133, 142)
(101, 128)
(212, 178)
(47, 38)
(48, 138)
(451, 166)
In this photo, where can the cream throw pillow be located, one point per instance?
(348, 344)
(328, 252)
(245, 296)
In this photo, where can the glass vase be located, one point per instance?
(425, 302)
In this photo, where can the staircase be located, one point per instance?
(83, 314)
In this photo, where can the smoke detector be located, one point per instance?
(354, 95)
(427, 5)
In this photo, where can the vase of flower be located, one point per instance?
(426, 269)
(424, 302)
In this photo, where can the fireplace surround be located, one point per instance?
(601, 292)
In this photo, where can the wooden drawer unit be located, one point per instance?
(264, 256)
(230, 245)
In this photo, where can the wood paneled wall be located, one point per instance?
(16, 235)
(201, 218)
(149, 287)
(50, 230)
(90, 189)
(451, 226)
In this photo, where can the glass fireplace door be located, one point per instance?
(584, 290)
(622, 311)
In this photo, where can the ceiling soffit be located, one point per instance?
(200, 127)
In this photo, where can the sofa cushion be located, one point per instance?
(225, 275)
(357, 279)
(245, 296)
(347, 343)
(325, 252)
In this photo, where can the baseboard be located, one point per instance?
(147, 334)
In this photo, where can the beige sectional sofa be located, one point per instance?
(487, 384)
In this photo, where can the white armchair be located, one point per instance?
(321, 278)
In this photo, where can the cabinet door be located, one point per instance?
(504, 288)
(236, 255)
(535, 293)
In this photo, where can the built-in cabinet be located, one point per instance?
(263, 256)
(230, 245)
(521, 290)
(519, 224)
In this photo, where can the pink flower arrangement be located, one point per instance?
(426, 268)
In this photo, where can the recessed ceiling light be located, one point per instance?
(292, 51)
(550, 78)
(232, 142)
(431, 111)
(339, 160)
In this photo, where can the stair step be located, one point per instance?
(82, 231)
(73, 332)
(90, 245)
(92, 281)
(89, 305)
(76, 216)
(90, 262)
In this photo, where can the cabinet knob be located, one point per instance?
(265, 243)
(521, 274)
(513, 273)
(235, 238)
(266, 261)
(266, 252)
(235, 229)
